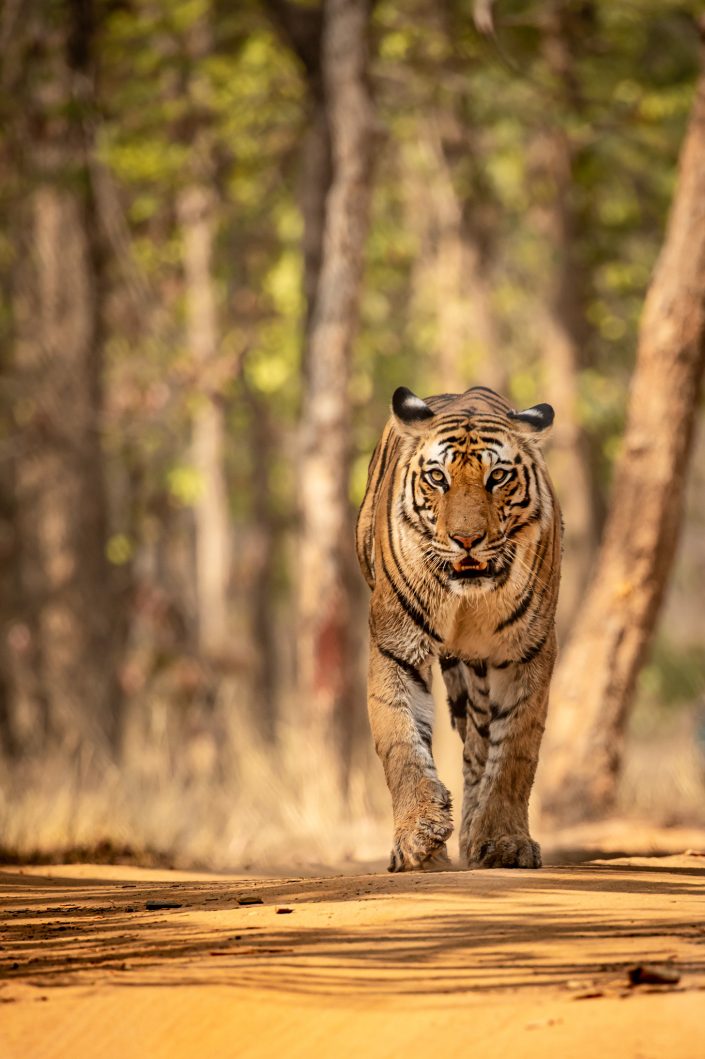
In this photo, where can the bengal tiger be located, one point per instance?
(459, 538)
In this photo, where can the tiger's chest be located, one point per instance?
(479, 630)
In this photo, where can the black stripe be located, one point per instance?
(518, 612)
(448, 662)
(432, 557)
(378, 468)
(417, 507)
(483, 730)
(379, 449)
(490, 432)
(533, 651)
(379, 457)
(415, 615)
(535, 516)
(502, 577)
(425, 732)
(537, 484)
(487, 420)
(458, 707)
(412, 671)
(540, 553)
(516, 528)
(451, 421)
(418, 607)
(501, 714)
(416, 527)
(527, 487)
(384, 459)
(479, 711)
(525, 758)
(496, 398)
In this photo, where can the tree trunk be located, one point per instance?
(314, 185)
(196, 207)
(9, 605)
(60, 482)
(301, 28)
(469, 349)
(594, 685)
(261, 574)
(563, 326)
(325, 666)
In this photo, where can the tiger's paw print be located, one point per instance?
(506, 851)
(421, 846)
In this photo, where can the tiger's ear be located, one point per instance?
(412, 415)
(536, 421)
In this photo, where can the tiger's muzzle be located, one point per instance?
(470, 566)
(467, 567)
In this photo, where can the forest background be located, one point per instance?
(229, 231)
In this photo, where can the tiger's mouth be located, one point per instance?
(468, 567)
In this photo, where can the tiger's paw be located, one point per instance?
(438, 860)
(421, 846)
(505, 851)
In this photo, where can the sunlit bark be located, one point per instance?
(563, 329)
(197, 218)
(324, 662)
(60, 480)
(594, 686)
(469, 350)
(197, 207)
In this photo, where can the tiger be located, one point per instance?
(459, 538)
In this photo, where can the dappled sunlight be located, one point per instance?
(267, 265)
(401, 936)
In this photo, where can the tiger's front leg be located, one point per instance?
(401, 711)
(498, 833)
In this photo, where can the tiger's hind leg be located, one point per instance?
(468, 699)
(454, 678)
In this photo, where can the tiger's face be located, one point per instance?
(472, 486)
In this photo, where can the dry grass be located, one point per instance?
(209, 794)
(664, 768)
(215, 797)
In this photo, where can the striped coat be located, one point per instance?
(459, 538)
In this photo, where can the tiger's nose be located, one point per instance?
(466, 542)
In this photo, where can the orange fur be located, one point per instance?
(458, 537)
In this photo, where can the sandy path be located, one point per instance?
(463, 963)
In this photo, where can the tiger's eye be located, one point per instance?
(498, 475)
(437, 477)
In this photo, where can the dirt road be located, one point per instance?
(491, 963)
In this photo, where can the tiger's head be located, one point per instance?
(474, 482)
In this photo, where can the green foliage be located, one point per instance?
(624, 119)
(673, 676)
(234, 115)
